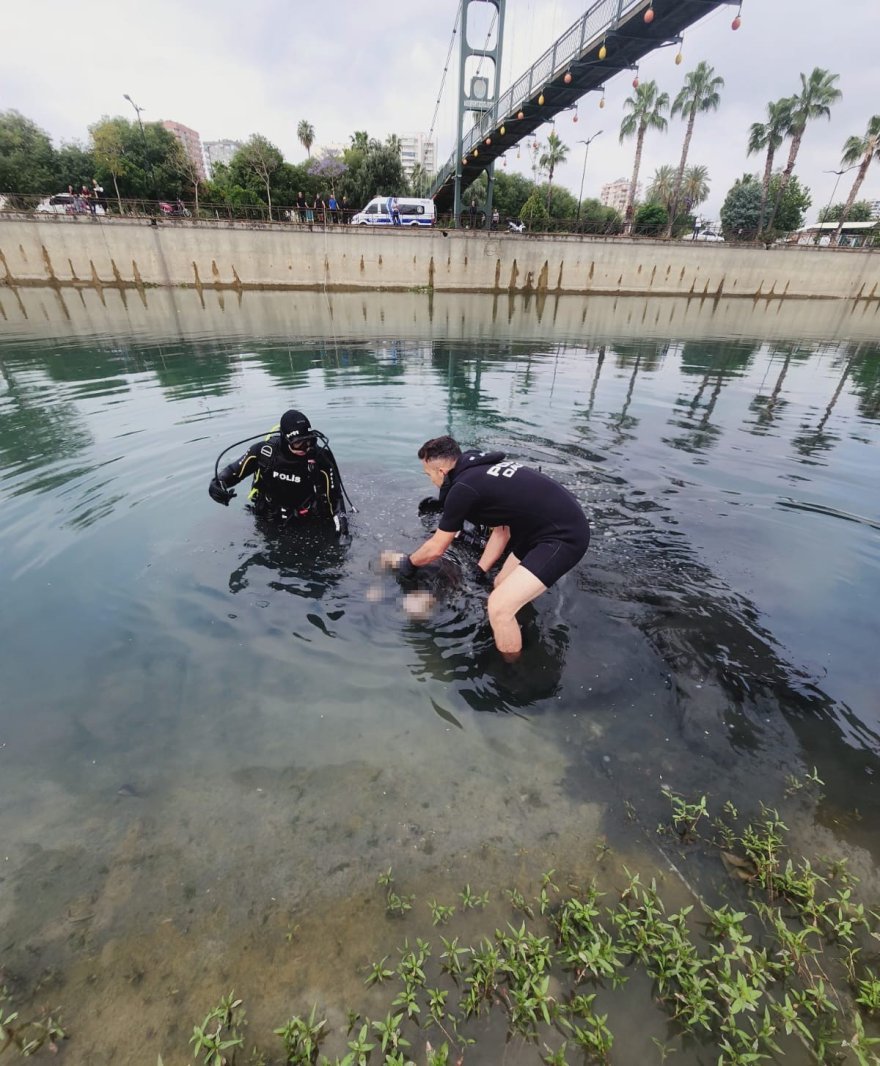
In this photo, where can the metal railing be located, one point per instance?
(589, 30)
(250, 215)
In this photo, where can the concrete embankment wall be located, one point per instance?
(86, 253)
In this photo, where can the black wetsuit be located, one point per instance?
(549, 531)
(288, 486)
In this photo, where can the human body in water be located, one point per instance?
(534, 519)
(295, 476)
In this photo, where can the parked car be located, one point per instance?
(65, 204)
(703, 235)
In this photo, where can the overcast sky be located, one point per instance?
(231, 69)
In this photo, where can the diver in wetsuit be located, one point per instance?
(295, 476)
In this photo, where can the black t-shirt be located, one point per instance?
(487, 489)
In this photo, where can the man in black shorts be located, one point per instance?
(539, 521)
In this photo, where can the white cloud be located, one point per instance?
(229, 69)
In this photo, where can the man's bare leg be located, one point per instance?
(512, 591)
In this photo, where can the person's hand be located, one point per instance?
(340, 521)
(481, 577)
(390, 560)
(219, 492)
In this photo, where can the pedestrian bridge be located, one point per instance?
(567, 71)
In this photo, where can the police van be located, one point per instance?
(413, 212)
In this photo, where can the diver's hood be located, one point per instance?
(465, 462)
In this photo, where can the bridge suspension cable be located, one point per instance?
(445, 69)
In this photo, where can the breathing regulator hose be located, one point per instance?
(262, 436)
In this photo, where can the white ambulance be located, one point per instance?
(412, 210)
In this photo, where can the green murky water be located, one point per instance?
(214, 738)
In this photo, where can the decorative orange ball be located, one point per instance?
(520, 115)
(737, 22)
(649, 15)
(603, 51)
(636, 82)
(567, 78)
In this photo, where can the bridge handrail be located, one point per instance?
(594, 24)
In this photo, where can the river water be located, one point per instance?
(214, 738)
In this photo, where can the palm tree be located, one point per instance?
(698, 94)
(305, 133)
(770, 135)
(360, 140)
(646, 109)
(859, 150)
(695, 185)
(556, 153)
(418, 179)
(817, 94)
(662, 184)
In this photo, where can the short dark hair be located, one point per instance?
(440, 448)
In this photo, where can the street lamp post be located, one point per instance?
(138, 110)
(839, 174)
(586, 145)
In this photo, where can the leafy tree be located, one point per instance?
(419, 180)
(74, 165)
(376, 172)
(109, 151)
(741, 210)
(510, 193)
(262, 159)
(191, 174)
(231, 185)
(392, 141)
(769, 136)
(818, 93)
(27, 158)
(650, 219)
(360, 141)
(597, 218)
(859, 150)
(305, 134)
(646, 109)
(533, 210)
(563, 206)
(329, 168)
(860, 211)
(698, 95)
(556, 153)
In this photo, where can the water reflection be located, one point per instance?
(284, 733)
(304, 560)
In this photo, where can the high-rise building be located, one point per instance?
(614, 194)
(192, 144)
(416, 149)
(219, 152)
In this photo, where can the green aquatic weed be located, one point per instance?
(388, 1030)
(302, 1037)
(378, 973)
(470, 900)
(440, 915)
(685, 816)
